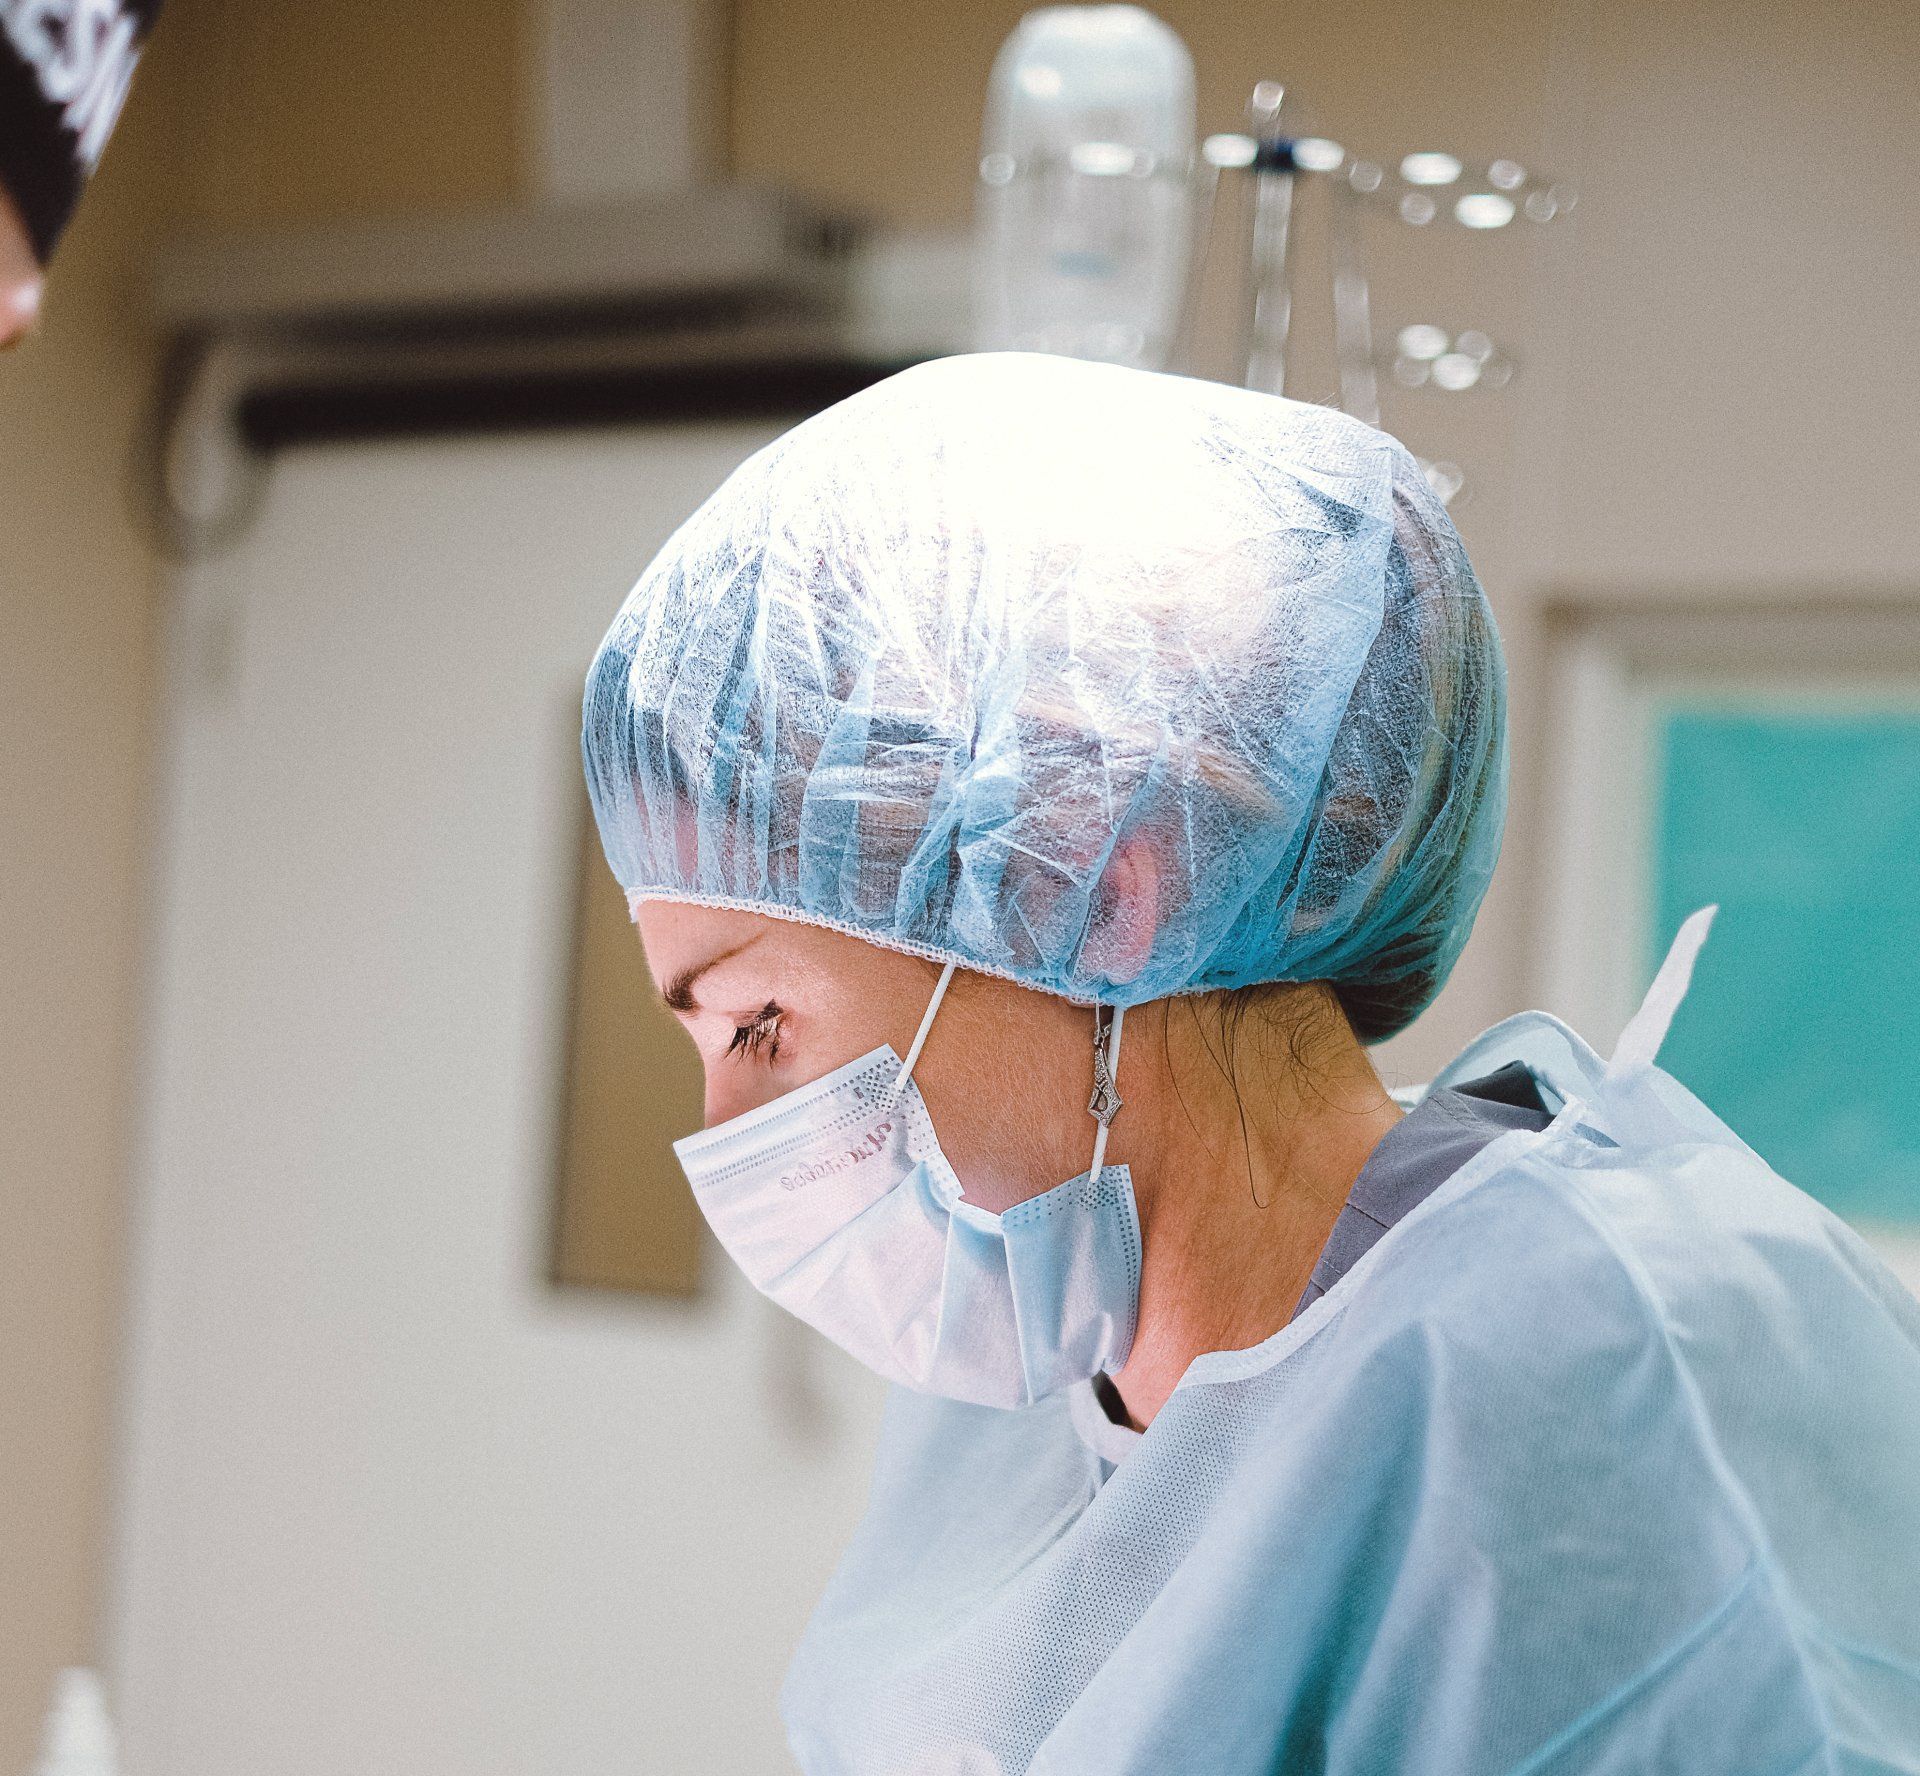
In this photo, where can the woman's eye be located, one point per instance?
(761, 1031)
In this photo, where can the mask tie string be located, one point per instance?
(1106, 1100)
(920, 1035)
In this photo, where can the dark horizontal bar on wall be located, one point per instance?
(312, 412)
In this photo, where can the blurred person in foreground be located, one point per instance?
(65, 67)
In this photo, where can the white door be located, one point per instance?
(388, 1501)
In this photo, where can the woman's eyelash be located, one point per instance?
(761, 1030)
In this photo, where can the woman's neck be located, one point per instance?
(1242, 1154)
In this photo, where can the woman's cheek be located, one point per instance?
(1004, 1147)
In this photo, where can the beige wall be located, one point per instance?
(238, 111)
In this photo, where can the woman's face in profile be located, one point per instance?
(772, 1004)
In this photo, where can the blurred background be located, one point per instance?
(370, 1398)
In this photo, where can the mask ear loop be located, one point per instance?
(1103, 1106)
(1106, 1100)
(920, 1035)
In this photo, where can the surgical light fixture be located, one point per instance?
(1426, 356)
(1429, 168)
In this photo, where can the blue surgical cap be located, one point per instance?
(1115, 683)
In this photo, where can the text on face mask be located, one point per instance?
(872, 1142)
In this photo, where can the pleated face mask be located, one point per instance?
(837, 1202)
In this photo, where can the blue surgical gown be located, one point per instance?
(1605, 1458)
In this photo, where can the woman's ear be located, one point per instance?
(1125, 916)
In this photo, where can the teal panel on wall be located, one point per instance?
(1802, 1027)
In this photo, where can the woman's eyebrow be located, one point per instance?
(678, 994)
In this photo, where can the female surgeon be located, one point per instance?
(1036, 783)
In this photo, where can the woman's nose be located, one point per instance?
(729, 1095)
(724, 1097)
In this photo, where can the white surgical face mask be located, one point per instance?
(836, 1201)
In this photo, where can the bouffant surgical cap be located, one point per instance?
(1116, 683)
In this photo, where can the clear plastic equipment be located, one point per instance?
(1085, 190)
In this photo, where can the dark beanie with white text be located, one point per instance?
(65, 66)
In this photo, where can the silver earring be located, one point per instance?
(1105, 1103)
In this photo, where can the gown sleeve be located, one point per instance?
(1741, 1693)
(1635, 1527)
